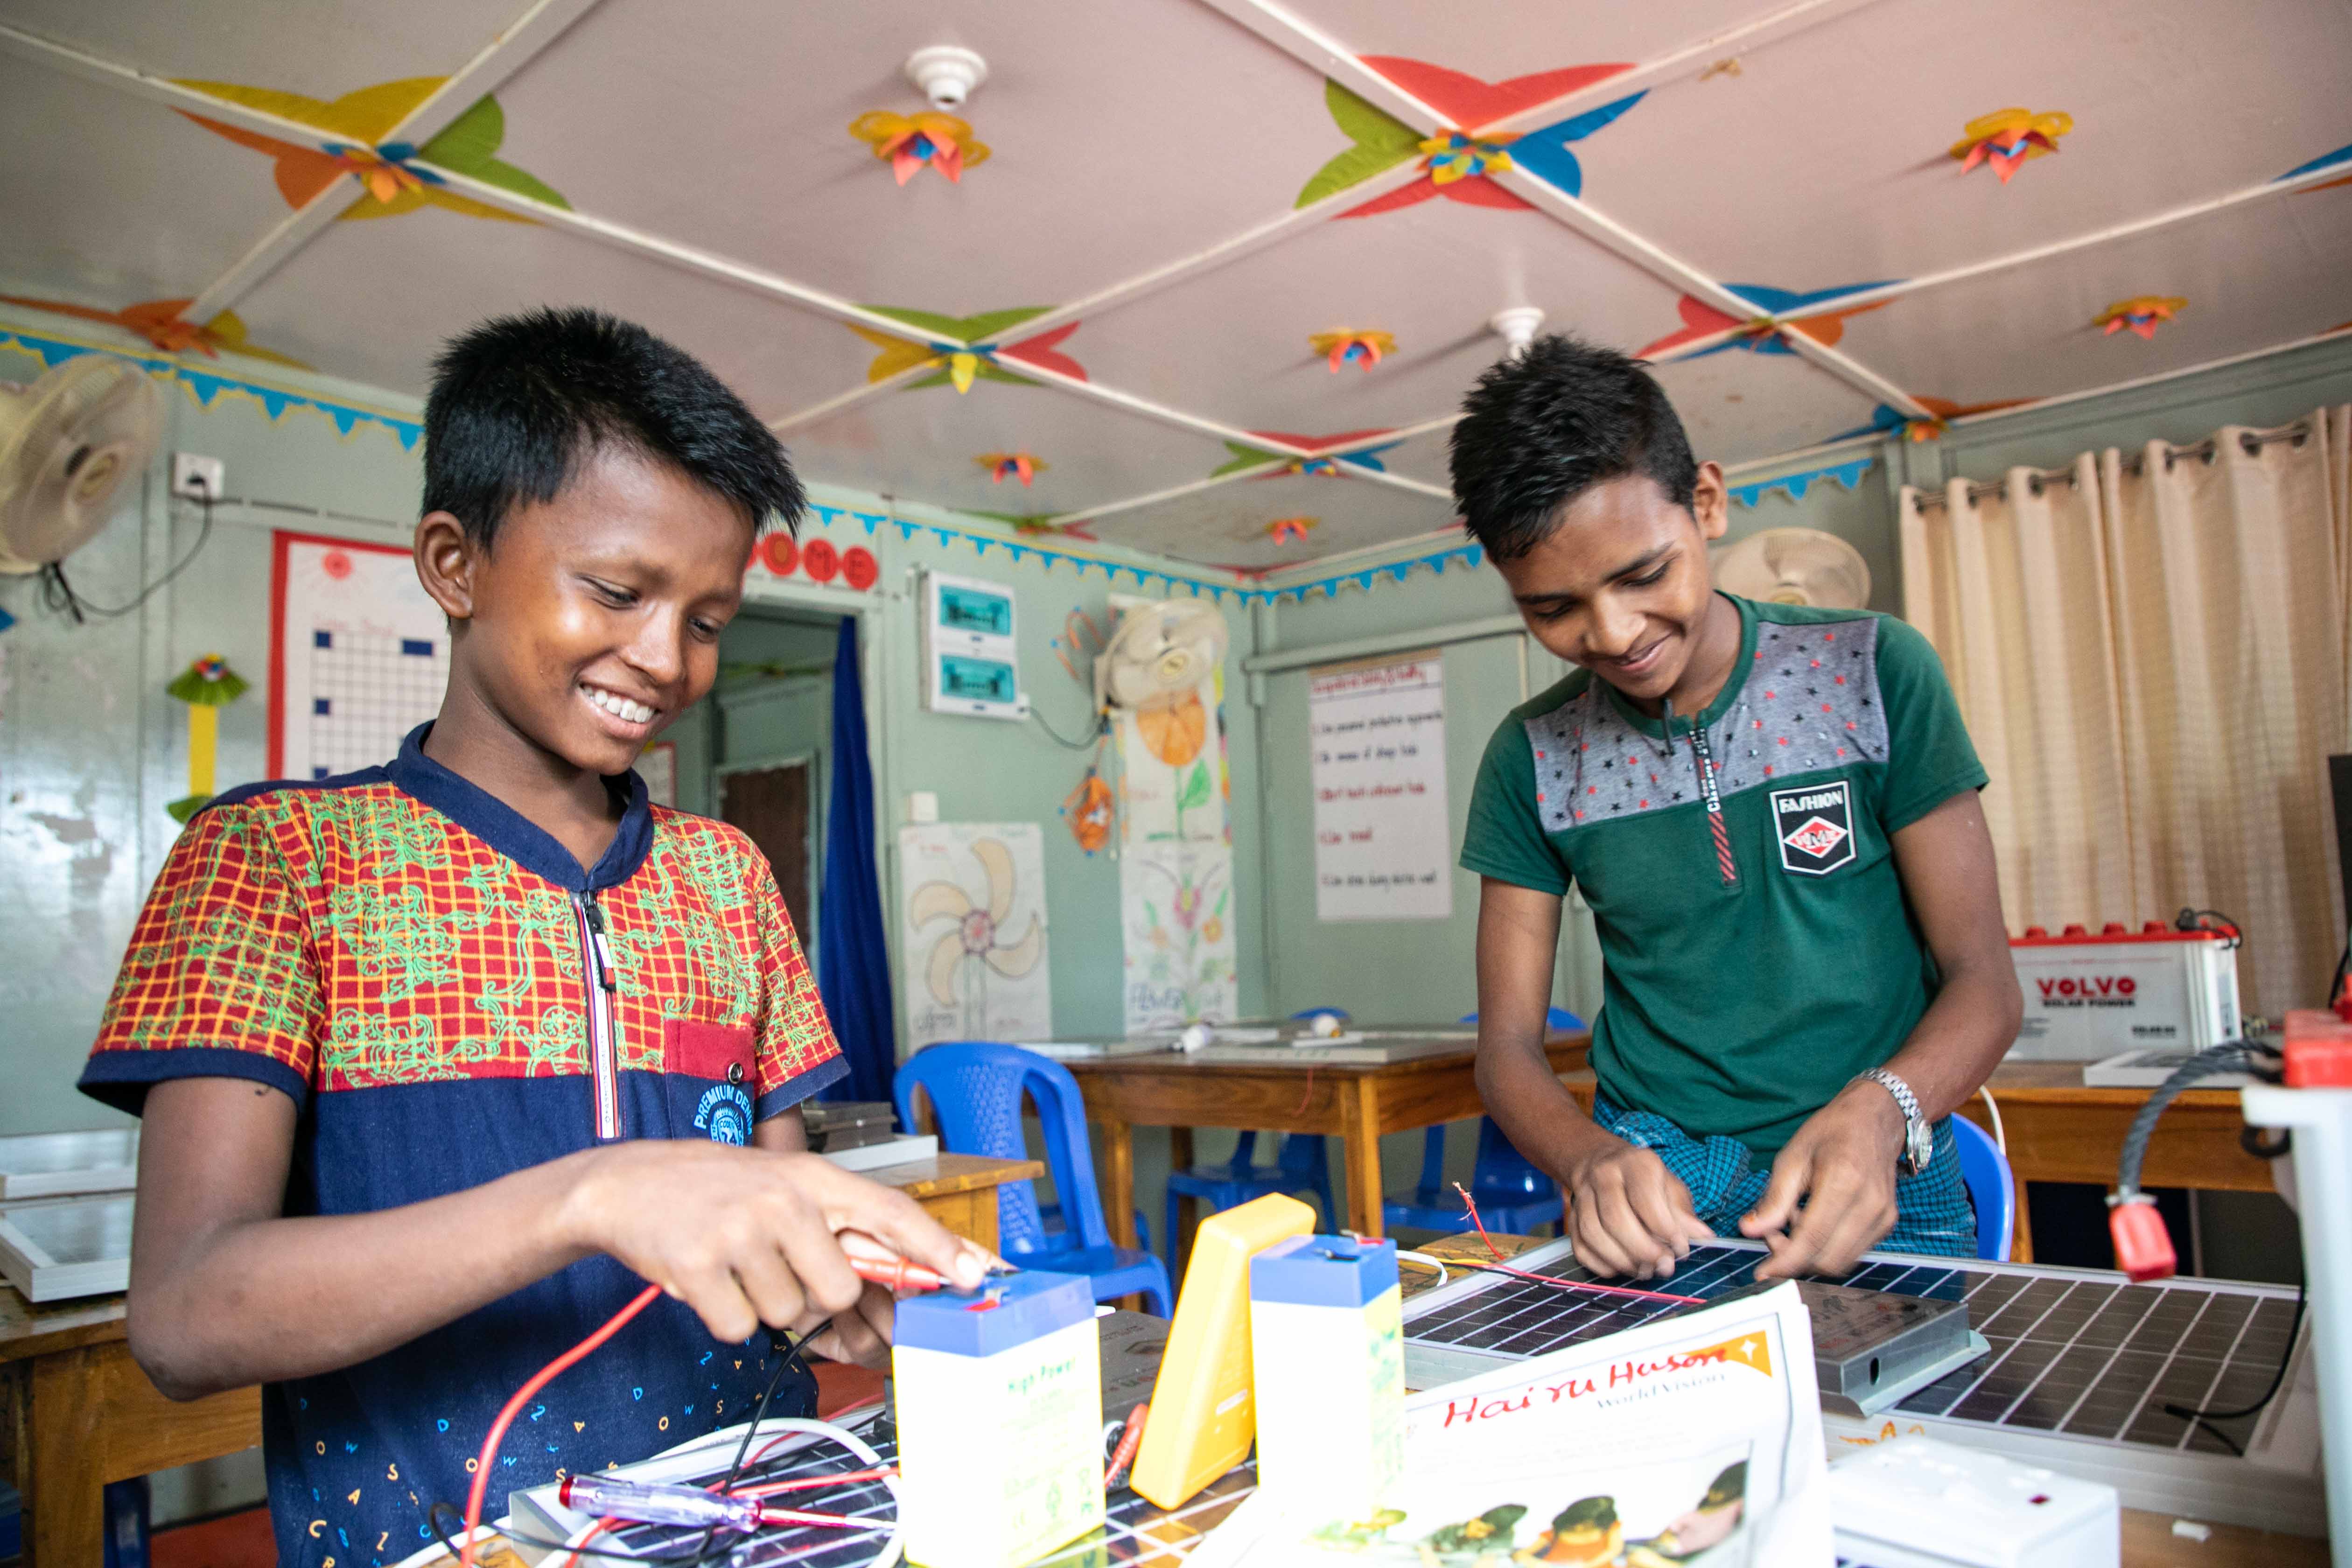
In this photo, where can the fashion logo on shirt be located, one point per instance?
(725, 1113)
(1816, 826)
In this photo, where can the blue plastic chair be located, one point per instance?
(1984, 1169)
(976, 1089)
(1303, 1164)
(1513, 1194)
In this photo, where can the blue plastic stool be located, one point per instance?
(1513, 1194)
(1985, 1172)
(976, 1089)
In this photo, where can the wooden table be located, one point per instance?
(2059, 1130)
(76, 1412)
(2147, 1537)
(1356, 1104)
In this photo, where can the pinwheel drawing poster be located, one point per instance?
(972, 932)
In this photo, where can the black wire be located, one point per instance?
(62, 594)
(1060, 740)
(2230, 1056)
(2194, 919)
(2206, 1418)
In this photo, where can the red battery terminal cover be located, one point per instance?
(2143, 1247)
(2319, 1048)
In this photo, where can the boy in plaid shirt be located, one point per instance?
(439, 1061)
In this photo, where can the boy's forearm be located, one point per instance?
(1961, 1038)
(1535, 1111)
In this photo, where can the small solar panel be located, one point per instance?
(2090, 1355)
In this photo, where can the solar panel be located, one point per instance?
(2079, 1369)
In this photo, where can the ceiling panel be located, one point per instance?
(1742, 405)
(376, 300)
(319, 49)
(1161, 113)
(1237, 341)
(116, 208)
(1228, 526)
(928, 442)
(2268, 273)
(1825, 160)
(1499, 39)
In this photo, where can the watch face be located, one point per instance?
(1920, 1144)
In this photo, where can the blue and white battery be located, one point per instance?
(1326, 1347)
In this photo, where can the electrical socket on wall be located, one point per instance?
(198, 478)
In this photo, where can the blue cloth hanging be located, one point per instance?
(852, 962)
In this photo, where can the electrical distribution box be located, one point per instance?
(970, 666)
(2090, 996)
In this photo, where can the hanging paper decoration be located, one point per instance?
(207, 686)
(1004, 465)
(1290, 530)
(2142, 314)
(2342, 155)
(1888, 420)
(1090, 811)
(1762, 333)
(160, 323)
(1248, 456)
(2008, 137)
(907, 143)
(1362, 350)
(1845, 475)
(390, 171)
(1460, 158)
(964, 349)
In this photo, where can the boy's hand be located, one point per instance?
(1629, 1215)
(1842, 1162)
(745, 1236)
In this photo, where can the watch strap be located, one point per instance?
(1917, 1138)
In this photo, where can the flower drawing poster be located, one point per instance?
(1176, 900)
(972, 932)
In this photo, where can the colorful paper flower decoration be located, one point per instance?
(907, 143)
(2008, 137)
(2143, 313)
(1460, 159)
(161, 323)
(1290, 530)
(2342, 155)
(356, 124)
(1361, 349)
(207, 686)
(973, 354)
(1887, 419)
(1248, 456)
(1004, 465)
(1035, 522)
(1763, 334)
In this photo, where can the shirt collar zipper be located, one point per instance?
(603, 1041)
(1703, 760)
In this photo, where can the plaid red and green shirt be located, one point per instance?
(448, 996)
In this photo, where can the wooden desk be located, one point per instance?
(76, 1412)
(2058, 1131)
(2147, 1537)
(1356, 1104)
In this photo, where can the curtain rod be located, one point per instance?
(2249, 442)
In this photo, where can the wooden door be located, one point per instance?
(772, 805)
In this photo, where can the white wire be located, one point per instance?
(1425, 1258)
(1999, 1138)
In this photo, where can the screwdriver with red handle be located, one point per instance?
(874, 1262)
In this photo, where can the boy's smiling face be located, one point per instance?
(592, 619)
(1620, 586)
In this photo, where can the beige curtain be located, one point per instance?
(2154, 654)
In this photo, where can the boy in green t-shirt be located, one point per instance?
(1771, 810)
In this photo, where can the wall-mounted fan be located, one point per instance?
(1794, 566)
(1159, 655)
(67, 443)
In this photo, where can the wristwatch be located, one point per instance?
(1918, 1137)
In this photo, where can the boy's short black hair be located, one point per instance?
(1540, 430)
(519, 401)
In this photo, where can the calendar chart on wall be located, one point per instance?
(359, 655)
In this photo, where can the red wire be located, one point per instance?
(1500, 1267)
(539, 1379)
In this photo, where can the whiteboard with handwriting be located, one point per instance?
(1382, 847)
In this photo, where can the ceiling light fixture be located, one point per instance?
(1516, 327)
(946, 74)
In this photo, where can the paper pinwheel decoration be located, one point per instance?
(961, 958)
(1361, 349)
(2008, 137)
(1887, 419)
(1290, 530)
(2143, 313)
(207, 686)
(1248, 456)
(1004, 465)
(1460, 159)
(160, 323)
(355, 123)
(2341, 156)
(1033, 522)
(1762, 333)
(959, 363)
(908, 143)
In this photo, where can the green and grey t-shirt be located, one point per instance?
(1749, 972)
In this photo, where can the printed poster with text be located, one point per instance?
(1376, 734)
